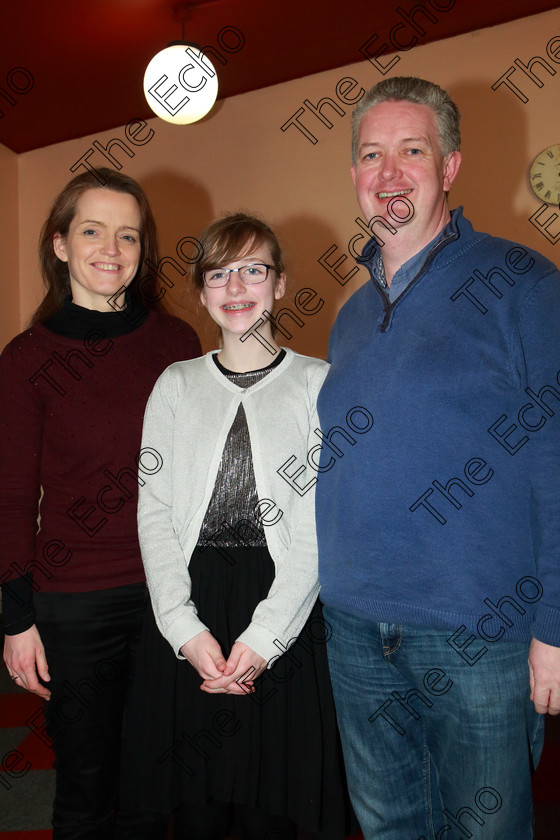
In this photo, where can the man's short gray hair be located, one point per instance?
(420, 92)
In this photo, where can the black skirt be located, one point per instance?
(277, 749)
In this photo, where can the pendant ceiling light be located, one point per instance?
(180, 82)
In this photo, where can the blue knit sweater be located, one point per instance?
(438, 503)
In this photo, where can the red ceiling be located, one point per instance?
(87, 58)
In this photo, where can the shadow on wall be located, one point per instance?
(313, 296)
(182, 209)
(494, 128)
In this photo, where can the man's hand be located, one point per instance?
(24, 656)
(204, 653)
(244, 663)
(544, 677)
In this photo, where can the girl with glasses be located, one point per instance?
(241, 723)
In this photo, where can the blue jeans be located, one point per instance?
(439, 741)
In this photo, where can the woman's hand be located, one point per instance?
(24, 656)
(243, 664)
(205, 655)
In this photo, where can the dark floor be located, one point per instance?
(27, 780)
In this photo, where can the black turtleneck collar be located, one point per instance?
(73, 321)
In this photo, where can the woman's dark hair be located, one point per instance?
(55, 271)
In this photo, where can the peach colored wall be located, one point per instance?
(9, 231)
(238, 157)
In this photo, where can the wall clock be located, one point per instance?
(545, 175)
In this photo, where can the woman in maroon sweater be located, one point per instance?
(73, 389)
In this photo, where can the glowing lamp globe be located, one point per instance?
(180, 84)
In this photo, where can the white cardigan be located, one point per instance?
(187, 420)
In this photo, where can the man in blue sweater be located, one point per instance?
(439, 528)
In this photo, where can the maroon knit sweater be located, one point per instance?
(71, 424)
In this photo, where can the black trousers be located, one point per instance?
(91, 641)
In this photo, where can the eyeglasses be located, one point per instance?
(249, 274)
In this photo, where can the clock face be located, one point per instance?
(545, 175)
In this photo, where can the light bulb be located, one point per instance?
(180, 84)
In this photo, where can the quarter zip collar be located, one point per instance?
(415, 267)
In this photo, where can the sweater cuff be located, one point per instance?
(263, 642)
(17, 605)
(181, 632)
(546, 627)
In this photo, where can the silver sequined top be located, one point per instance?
(230, 519)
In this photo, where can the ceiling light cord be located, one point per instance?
(180, 82)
